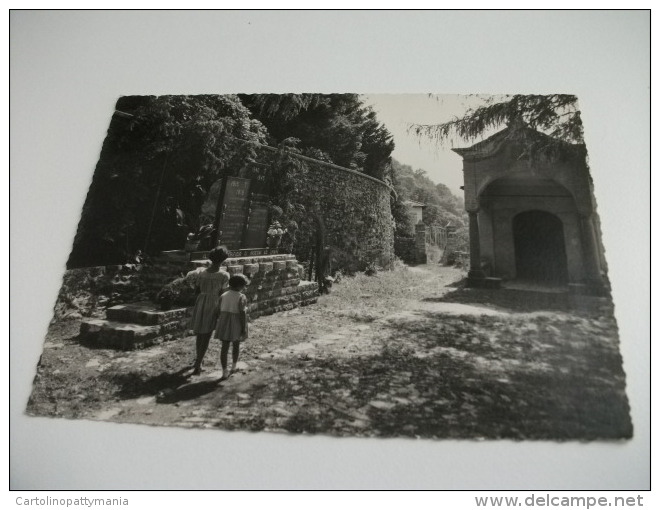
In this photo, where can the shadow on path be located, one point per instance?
(188, 391)
(524, 301)
(136, 384)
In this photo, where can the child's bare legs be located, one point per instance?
(234, 356)
(224, 351)
(202, 344)
(223, 358)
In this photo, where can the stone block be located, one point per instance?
(290, 290)
(170, 327)
(267, 303)
(90, 328)
(255, 281)
(262, 294)
(279, 265)
(270, 285)
(292, 265)
(281, 300)
(259, 306)
(275, 293)
(250, 269)
(108, 333)
(235, 270)
(265, 267)
(144, 314)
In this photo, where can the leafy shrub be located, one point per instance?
(180, 291)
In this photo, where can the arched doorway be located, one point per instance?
(539, 246)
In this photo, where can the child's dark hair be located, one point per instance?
(219, 254)
(238, 281)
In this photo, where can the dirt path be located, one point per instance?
(204, 400)
(402, 353)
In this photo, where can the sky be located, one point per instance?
(398, 111)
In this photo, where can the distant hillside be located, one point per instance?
(442, 206)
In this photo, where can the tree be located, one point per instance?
(442, 207)
(555, 115)
(158, 161)
(336, 128)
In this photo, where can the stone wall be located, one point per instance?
(86, 289)
(275, 286)
(355, 210)
(276, 282)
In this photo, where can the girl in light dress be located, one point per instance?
(232, 327)
(211, 283)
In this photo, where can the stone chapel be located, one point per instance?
(532, 213)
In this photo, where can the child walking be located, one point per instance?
(211, 282)
(232, 325)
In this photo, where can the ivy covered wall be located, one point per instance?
(354, 210)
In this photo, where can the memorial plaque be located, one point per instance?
(257, 226)
(260, 183)
(242, 210)
(233, 212)
(255, 252)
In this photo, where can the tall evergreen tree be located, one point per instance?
(556, 115)
(336, 128)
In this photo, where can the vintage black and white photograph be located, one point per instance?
(328, 249)
(425, 266)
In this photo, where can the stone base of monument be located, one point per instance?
(135, 326)
(275, 286)
(275, 282)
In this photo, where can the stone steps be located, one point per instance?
(275, 286)
(134, 326)
(144, 313)
(283, 299)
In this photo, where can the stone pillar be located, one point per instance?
(475, 273)
(420, 243)
(591, 257)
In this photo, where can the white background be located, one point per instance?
(67, 70)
